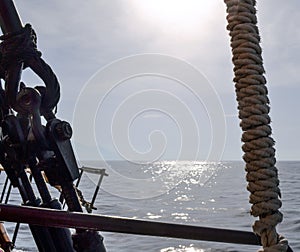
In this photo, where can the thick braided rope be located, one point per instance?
(253, 108)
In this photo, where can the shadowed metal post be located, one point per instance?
(9, 17)
(10, 22)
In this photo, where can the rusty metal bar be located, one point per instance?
(56, 218)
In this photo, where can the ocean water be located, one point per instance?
(183, 192)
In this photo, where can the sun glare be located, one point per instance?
(183, 15)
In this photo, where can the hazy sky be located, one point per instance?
(129, 72)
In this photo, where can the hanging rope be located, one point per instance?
(253, 105)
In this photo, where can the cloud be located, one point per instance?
(148, 115)
(79, 37)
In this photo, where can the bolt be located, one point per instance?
(63, 130)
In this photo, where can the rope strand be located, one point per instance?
(253, 105)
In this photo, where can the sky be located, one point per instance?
(151, 80)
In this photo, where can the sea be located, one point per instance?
(206, 194)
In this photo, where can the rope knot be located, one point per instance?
(18, 46)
